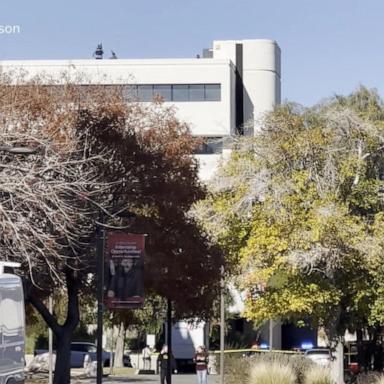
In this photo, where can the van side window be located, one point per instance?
(78, 348)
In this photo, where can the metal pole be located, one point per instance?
(138, 351)
(270, 334)
(50, 342)
(169, 341)
(222, 327)
(111, 359)
(100, 305)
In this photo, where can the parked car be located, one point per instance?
(320, 356)
(80, 349)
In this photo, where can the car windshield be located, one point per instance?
(318, 352)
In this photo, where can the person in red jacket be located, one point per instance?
(201, 361)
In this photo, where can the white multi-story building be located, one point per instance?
(223, 93)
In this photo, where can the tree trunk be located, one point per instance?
(63, 332)
(337, 365)
(360, 349)
(337, 347)
(63, 358)
(119, 349)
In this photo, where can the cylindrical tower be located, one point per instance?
(257, 76)
(261, 79)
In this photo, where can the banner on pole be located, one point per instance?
(123, 270)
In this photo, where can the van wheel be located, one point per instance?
(11, 381)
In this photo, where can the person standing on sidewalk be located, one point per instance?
(201, 361)
(162, 361)
(146, 355)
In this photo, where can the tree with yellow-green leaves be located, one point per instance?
(299, 212)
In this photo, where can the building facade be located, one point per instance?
(222, 93)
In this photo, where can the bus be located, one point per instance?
(12, 327)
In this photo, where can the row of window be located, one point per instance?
(175, 92)
(167, 92)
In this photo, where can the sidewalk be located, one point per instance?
(140, 379)
(151, 379)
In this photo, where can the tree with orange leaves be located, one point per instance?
(98, 153)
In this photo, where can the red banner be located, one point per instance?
(123, 270)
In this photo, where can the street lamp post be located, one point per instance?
(100, 299)
(101, 236)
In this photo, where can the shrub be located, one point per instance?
(237, 367)
(369, 378)
(271, 373)
(380, 380)
(318, 375)
(298, 363)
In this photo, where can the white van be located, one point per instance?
(186, 337)
(12, 329)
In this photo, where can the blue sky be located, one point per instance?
(328, 46)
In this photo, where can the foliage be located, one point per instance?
(367, 378)
(318, 375)
(154, 175)
(299, 212)
(298, 363)
(272, 373)
(147, 320)
(238, 368)
(96, 153)
(380, 380)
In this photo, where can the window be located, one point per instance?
(196, 92)
(164, 91)
(145, 92)
(180, 92)
(79, 348)
(129, 92)
(212, 92)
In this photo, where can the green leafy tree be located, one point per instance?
(298, 210)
